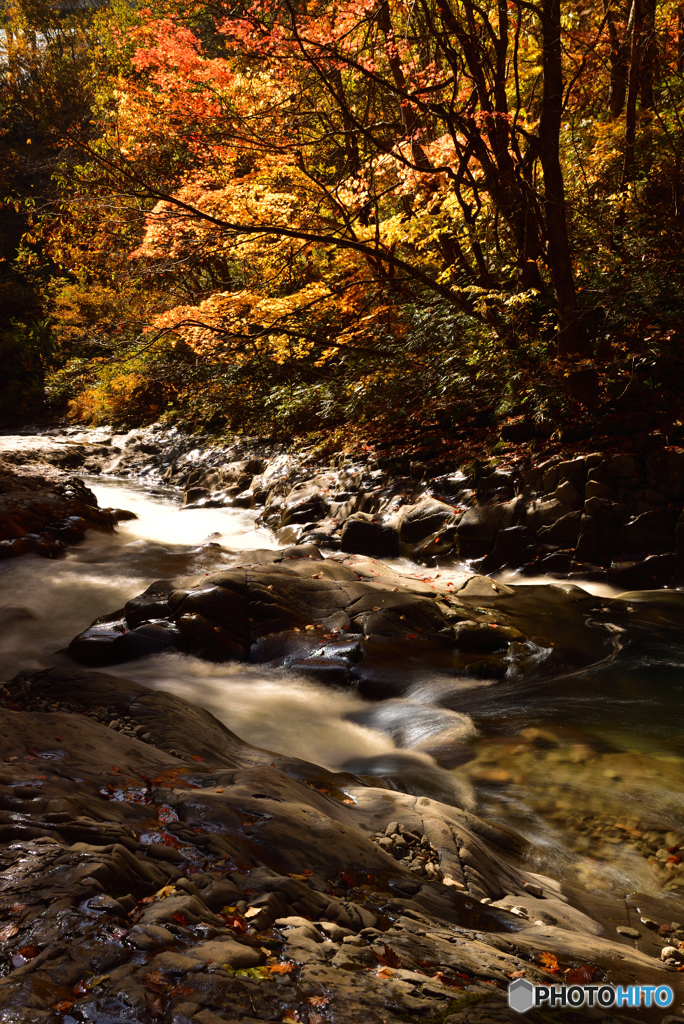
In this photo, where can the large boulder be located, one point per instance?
(365, 534)
(478, 528)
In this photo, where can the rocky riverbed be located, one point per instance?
(155, 867)
(608, 517)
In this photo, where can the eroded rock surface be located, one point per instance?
(42, 511)
(353, 622)
(223, 883)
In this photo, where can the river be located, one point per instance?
(589, 766)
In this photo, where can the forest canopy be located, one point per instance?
(361, 217)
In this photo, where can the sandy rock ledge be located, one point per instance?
(221, 882)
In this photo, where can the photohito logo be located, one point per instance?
(524, 996)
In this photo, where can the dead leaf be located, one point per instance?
(7, 931)
(63, 1007)
(167, 890)
(180, 918)
(520, 974)
(253, 912)
(389, 958)
(447, 981)
(550, 962)
(156, 981)
(318, 1000)
(287, 968)
(579, 975)
(196, 757)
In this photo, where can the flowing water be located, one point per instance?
(588, 765)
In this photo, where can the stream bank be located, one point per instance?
(149, 739)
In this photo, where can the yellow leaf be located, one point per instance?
(252, 912)
(167, 890)
(549, 961)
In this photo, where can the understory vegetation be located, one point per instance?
(429, 224)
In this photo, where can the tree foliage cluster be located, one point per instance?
(356, 216)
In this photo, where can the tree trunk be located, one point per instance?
(649, 56)
(560, 262)
(619, 64)
(636, 23)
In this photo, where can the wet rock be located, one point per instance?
(295, 851)
(514, 546)
(226, 951)
(363, 534)
(40, 513)
(478, 528)
(428, 518)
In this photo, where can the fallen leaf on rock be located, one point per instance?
(220, 789)
(58, 738)
(167, 890)
(447, 981)
(318, 1000)
(252, 912)
(309, 627)
(256, 973)
(80, 989)
(389, 958)
(180, 918)
(155, 981)
(182, 990)
(382, 972)
(63, 1006)
(550, 962)
(97, 980)
(521, 974)
(291, 1017)
(196, 757)
(281, 968)
(579, 975)
(16, 909)
(28, 952)
(7, 931)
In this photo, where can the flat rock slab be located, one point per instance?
(228, 883)
(353, 621)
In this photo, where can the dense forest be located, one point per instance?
(370, 220)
